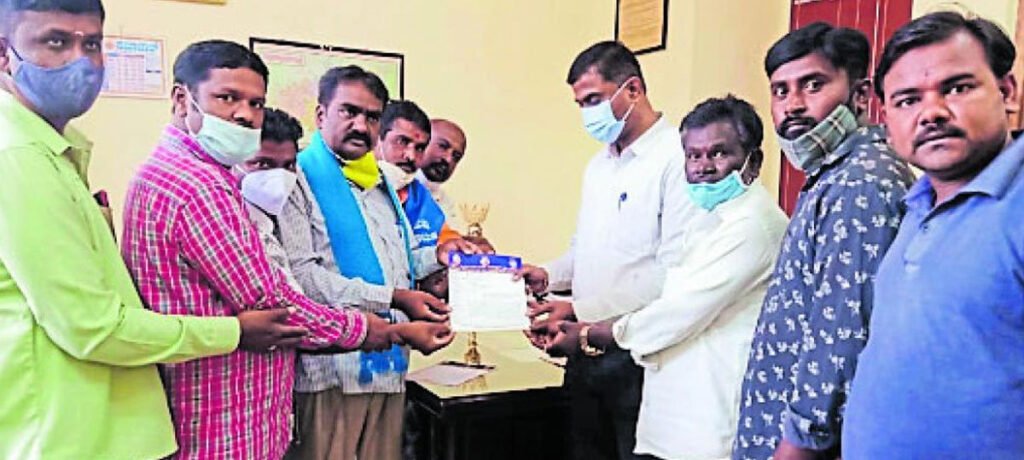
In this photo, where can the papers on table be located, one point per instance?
(448, 374)
(483, 296)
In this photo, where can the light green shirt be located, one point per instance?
(77, 348)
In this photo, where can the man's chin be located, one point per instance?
(435, 176)
(351, 154)
(794, 133)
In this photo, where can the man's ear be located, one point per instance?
(634, 87)
(321, 113)
(1008, 86)
(179, 101)
(754, 164)
(860, 96)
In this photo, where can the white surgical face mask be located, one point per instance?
(599, 120)
(228, 143)
(269, 189)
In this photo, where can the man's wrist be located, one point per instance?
(585, 345)
(600, 335)
(396, 332)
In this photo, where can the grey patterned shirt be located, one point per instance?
(305, 239)
(813, 322)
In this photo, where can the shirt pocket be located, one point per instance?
(637, 222)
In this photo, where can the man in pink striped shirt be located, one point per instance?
(192, 250)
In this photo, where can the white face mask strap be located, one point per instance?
(621, 87)
(631, 106)
(746, 162)
(194, 103)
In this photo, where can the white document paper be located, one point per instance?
(445, 374)
(483, 300)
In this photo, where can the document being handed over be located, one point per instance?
(483, 296)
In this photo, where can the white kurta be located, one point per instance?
(694, 339)
(633, 210)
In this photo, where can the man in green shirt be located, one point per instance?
(77, 349)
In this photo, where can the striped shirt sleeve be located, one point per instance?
(216, 237)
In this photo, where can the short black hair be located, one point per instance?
(846, 49)
(9, 7)
(350, 74)
(278, 126)
(405, 110)
(936, 27)
(613, 61)
(739, 113)
(193, 65)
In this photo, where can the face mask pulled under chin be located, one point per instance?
(709, 195)
(228, 143)
(269, 189)
(807, 149)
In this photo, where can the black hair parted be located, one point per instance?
(350, 74)
(405, 110)
(739, 113)
(612, 60)
(193, 65)
(940, 26)
(279, 126)
(847, 49)
(66, 6)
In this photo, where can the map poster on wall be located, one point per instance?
(134, 67)
(296, 68)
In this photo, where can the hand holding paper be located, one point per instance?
(483, 295)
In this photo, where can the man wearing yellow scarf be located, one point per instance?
(349, 242)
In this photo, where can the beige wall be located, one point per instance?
(496, 66)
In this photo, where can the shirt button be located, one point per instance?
(924, 228)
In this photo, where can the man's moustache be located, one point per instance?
(940, 132)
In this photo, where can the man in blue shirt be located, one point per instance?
(943, 373)
(813, 323)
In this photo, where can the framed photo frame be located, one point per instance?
(642, 25)
(296, 68)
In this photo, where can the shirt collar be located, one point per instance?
(177, 140)
(37, 129)
(647, 141)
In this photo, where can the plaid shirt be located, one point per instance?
(192, 250)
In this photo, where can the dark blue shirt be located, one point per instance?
(943, 374)
(813, 323)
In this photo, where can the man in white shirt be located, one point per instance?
(629, 231)
(693, 341)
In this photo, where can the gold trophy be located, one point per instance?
(474, 215)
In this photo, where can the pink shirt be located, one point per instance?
(192, 250)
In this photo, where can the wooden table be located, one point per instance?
(517, 411)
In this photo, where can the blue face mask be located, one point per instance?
(599, 120)
(59, 94)
(710, 195)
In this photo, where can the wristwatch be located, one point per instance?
(585, 345)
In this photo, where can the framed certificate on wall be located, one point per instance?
(641, 25)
